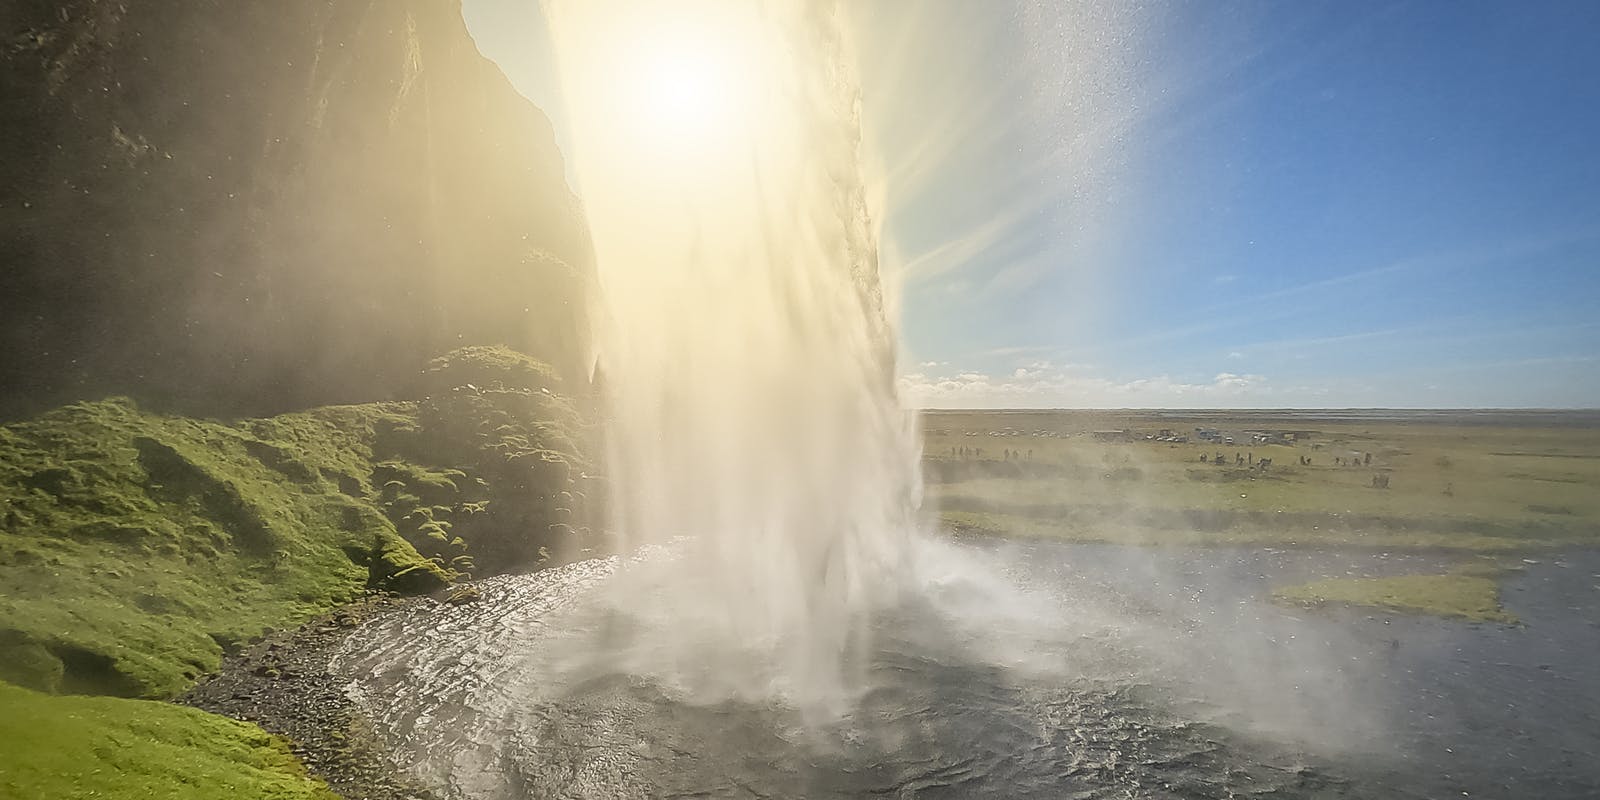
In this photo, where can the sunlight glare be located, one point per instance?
(683, 91)
(671, 82)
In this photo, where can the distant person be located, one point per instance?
(1369, 459)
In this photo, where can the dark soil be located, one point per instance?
(286, 684)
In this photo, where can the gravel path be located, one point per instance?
(284, 684)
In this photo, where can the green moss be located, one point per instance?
(397, 566)
(83, 747)
(131, 544)
(1468, 593)
(29, 663)
(135, 546)
(489, 367)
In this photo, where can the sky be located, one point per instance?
(1222, 204)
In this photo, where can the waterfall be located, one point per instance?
(754, 426)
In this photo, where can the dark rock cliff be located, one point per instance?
(239, 207)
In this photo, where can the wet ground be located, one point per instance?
(1034, 670)
(284, 684)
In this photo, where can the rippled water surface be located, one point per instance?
(1110, 672)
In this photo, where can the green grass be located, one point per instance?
(135, 546)
(1528, 485)
(1469, 487)
(1468, 594)
(1110, 526)
(64, 748)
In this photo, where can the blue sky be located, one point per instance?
(1216, 204)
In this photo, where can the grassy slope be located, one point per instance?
(132, 545)
(135, 546)
(64, 748)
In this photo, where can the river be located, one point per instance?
(1020, 670)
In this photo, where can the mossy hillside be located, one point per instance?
(83, 747)
(134, 547)
(524, 490)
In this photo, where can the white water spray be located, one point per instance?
(745, 350)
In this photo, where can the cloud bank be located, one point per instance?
(1043, 384)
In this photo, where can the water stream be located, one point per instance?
(1108, 672)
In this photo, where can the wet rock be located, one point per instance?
(286, 683)
(461, 595)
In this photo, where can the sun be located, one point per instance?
(682, 91)
(673, 81)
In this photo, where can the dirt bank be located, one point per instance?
(286, 684)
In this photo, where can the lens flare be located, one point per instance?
(670, 87)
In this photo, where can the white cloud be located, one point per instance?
(1232, 381)
(1235, 355)
(1044, 385)
(1033, 371)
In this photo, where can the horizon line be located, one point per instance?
(1460, 409)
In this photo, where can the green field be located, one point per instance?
(1485, 483)
(65, 748)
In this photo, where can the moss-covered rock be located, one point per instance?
(398, 567)
(520, 448)
(489, 367)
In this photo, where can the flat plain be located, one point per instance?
(1484, 489)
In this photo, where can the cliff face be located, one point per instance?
(248, 206)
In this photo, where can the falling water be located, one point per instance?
(745, 350)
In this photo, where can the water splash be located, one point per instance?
(754, 423)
